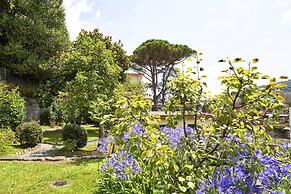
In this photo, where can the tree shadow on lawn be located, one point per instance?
(55, 137)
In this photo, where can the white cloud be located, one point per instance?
(283, 3)
(73, 10)
(98, 14)
(286, 17)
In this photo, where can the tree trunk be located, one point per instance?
(155, 99)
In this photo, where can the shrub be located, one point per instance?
(29, 133)
(6, 138)
(45, 117)
(76, 135)
(12, 110)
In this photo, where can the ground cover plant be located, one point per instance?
(233, 155)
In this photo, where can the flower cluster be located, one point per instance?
(255, 173)
(103, 145)
(135, 129)
(175, 135)
(121, 165)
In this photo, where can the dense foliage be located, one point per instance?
(29, 133)
(96, 76)
(157, 60)
(93, 52)
(12, 109)
(74, 136)
(31, 33)
(229, 154)
(6, 139)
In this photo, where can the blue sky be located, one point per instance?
(218, 28)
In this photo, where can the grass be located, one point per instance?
(37, 177)
(85, 151)
(55, 136)
(13, 149)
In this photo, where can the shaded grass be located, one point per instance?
(85, 151)
(55, 137)
(37, 177)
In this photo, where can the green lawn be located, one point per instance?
(55, 137)
(36, 177)
(85, 151)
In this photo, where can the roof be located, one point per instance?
(133, 71)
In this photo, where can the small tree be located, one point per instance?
(12, 110)
(186, 95)
(157, 59)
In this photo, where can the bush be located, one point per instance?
(45, 117)
(6, 138)
(75, 136)
(12, 110)
(29, 133)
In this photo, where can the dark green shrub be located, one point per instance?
(29, 133)
(6, 138)
(75, 136)
(45, 117)
(12, 110)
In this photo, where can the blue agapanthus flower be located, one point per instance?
(103, 145)
(135, 129)
(121, 165)
(244, 177)
(175, 135)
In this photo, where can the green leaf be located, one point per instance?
(237, 60)
(183, 189)
(255, 60)
(283, 77)
(191, 185)
(265, 77)
(181, 179)
(281, 85)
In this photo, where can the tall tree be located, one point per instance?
(156, 59)
(31, 32)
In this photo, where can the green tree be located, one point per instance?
(95, 77)
(12, 110)
(157, 59)
(64, 71)
(31, 32)
(186, 95)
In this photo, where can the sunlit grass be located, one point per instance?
(37, 177)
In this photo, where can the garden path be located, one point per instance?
(44, 152)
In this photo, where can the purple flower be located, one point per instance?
(137, 129)
(103, 145)
(121, 165)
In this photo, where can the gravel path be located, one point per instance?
(43, 152)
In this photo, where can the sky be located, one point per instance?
(217, 28)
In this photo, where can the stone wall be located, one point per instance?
(32, 110)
